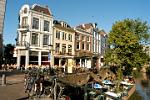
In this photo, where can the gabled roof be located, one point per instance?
(61, 23)
(103, 33)
(41, 9)
(85, 26)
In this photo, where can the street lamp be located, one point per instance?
(27, 47)
(50, 54)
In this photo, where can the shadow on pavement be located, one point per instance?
(14, 83)
(24, 98)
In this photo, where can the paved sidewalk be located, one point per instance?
(14, 89)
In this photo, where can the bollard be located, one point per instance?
(3, 80)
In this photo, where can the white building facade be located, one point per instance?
(34, 40)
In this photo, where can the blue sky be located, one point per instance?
(75, 12)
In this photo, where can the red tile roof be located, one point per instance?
(38, 8)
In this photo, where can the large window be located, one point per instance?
(88, 38)
(25, 10)
(70, 37)
(83, 45)
(46, 25)
(35, 24)
(63, 48)
(58, 34)
(77, 37)
(57, 47)
(34, 39)
(88, 46)
(45, 39)
(63, 36)
(83, 37)
(77, 45)
(24, 22)
(69, 49)
(23, 39)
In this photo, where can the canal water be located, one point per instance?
(143, 86)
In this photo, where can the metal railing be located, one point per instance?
(23, 43)
(23, 26)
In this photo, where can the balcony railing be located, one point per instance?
(24, 26)
(23, 43)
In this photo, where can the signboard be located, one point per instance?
(70, 65)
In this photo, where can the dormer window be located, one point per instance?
(63, 24)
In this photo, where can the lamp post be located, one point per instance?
(27, 48)
(50, 54)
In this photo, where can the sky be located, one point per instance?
(76, 12)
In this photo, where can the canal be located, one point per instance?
(143, 86)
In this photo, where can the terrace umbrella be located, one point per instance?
(97, 86)
(107, 82)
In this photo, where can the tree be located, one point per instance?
(8, 53)
(126, 40)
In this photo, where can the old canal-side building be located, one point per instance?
(83, 46)
(91, 45)
(34, 35)
(41, 40)
(103, 46)
(64, 39)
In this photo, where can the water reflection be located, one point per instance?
(143, 86)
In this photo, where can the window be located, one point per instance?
(78, 45)
(57, 47)
(88, 38)
(88, 46)
(46, 25)
(83, 45)
(24, 22)
(63, 35)
(25, 10)
(45, 39)
(34, 39)
(77, 37)
(35, 24)
(23, 39)
(83, 37)
(58, 34)
(69, 49)
(63, 48)
(70, 37)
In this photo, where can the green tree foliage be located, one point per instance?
(8, 53)
(126, 39)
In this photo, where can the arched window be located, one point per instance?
(25, 10)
